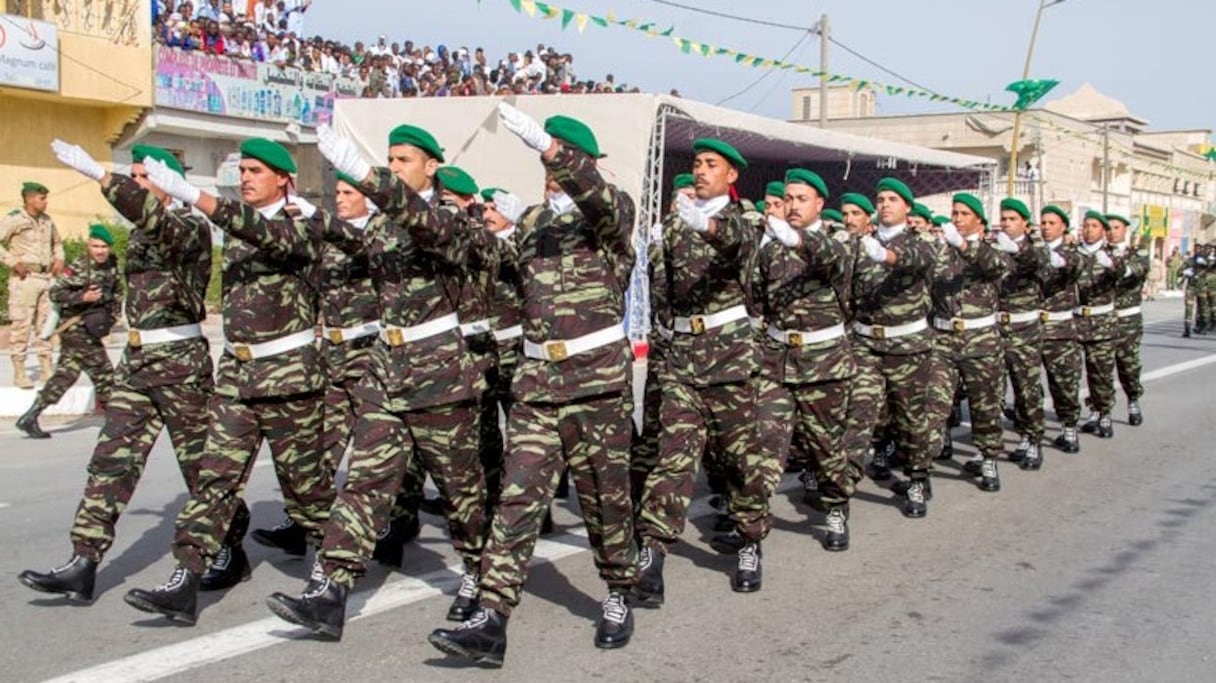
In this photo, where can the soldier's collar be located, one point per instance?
(361, 222)
(428, 194)
(506, 234)
(710, 207)
(1055, 244)
(814, 227)
(886, 234)
(271, 210)
(1094, 248)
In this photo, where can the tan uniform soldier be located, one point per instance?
(30, 247)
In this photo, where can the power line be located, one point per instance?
(736, 17)
(767, 72)
(878, 66)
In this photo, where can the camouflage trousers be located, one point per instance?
(79, 352)
(1100, 374)
(591, 437)
(905, 385)
(815, 414)
(946, 391)
(442, 440)
(291, 425)
(490, 444)
(721, 417)
(1023, 360)
(644, 449)
(1127, 356)
(338, 420)
(1062, 364)
(982, 379)
(134, 419)
(865, 410)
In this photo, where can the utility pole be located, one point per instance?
(823, 68)
(1017, 116)
(1105, 165)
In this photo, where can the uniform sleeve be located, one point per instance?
(821, 252)
(182, 236)
(56, 244)
(333, 230)
(286, 239)
(915, 255)
(7, 225)
(991, 263)
(728, 236)
(68, 289)
(432, 228)
(607, 209)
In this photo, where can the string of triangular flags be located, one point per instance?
(1121, 151)
(581, 20)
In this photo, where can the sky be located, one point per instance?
(1153, 56)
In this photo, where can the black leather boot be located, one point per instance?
(1106, 428)
(1135, 417)
(390, 543)
(728, 543)
(1067, 441)
(28, 422)
(287, 536)
(466, 602)
(321, 608)
(74, 579)
(230, 567)
(1091, 423)
(482, 639)
(748, 573)
(880, 465)
(915, 499)
(1186, 330)
(838, 529)
(1033, 459)
(990, 480)
(648, 591)
(615, 627)
(177, 598)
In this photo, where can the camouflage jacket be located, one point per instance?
(1096, 286)
(1059, 287)
(479, 281)
(271, 285)
(966, 286)
(348, 298)
(707, 274)
(799, 290)
(168, 269)
(67, 292)
(1130, 288)
(1021, 290)
(505, 309)
(895, 295)
(416, 250)
(574, 268)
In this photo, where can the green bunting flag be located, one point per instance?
(1029, 92)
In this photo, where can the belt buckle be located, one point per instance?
(242, 352)
(1044, 317)
(793, 338)
(133, 339)
(335, 336)
(1005, 319)
(556, 350)
(958, 325)
(697, 324)
(1086, 311)
(394, 336)
(880, 331)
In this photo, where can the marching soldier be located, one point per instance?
(1061, 349)
(866, 403)
(774, 199)
(269, 384)
(1097, 324)
(31, 248)
(164, 378)
(1127, 310)
(89, 300)
(572, 389)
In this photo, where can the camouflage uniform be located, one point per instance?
(866, 405)
(81, 347)
(1205, 290)
(707, 393)
(1021, 301)
(35, 243)
(574, 268)
(1131, 322)
(1098, 326)
(271, 277)
(946, 383)
(417, 403)
(806, 364)
(1061, 350)
(644, 451)
(508, 333)
(159, 383)
(965, 290)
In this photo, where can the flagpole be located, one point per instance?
(1017, 116)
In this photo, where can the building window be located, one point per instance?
(806, 107)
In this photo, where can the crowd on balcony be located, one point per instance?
(273, 31)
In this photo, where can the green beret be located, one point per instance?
(413, 135)
(761, 206)
(268, 152)
(921, 210)
(141, 152)
(1014, 204)
(33, 188)
(805, 177)
(898, 187)
(350, 181)
(1116, 217)
(574, 132)
(721, 148)
(972, 202)
(682, 181)
(832, 216)
(457, 180)
(1097, 215)
(859, 200)
(940, 220)
(1052, 208)
(774, 189)
(487, 193)
(97, 231)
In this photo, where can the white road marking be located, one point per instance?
(5, 505)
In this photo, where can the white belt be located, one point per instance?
(1008, 318)
(890, 331)
(274, 347)
(795, 338)
(396, 336)
(163, 335)
(339, 335)
(1091, 311)
(559, 350)
(961, 325)
(476, 327)
(700, 324)
(509, 333)
(1128, 312)
(1055, 316)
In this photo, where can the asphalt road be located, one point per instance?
(1098, 567)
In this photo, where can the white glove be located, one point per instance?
(307, 209)
(1103, 259)
(524, 126)
(510, 206)
(1006, 244)
(874, 249)
(952, 235)
(74, 156)
(1201, 260)
(783, 233)
(1056, 260)
(341, 153)
(168, 180)
(690, 214)
(1189, 272)
(656, 233)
